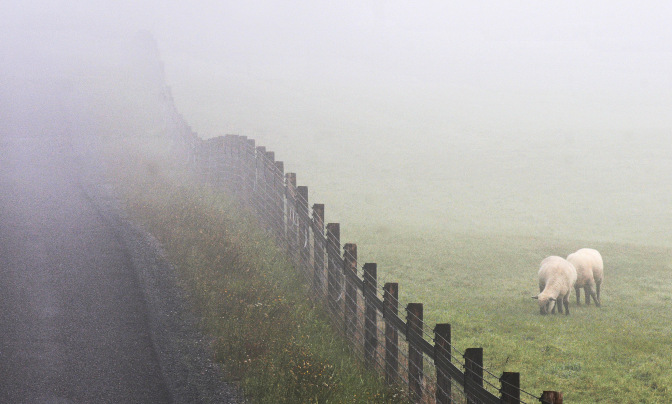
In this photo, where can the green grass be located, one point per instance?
(252, 303)
(621, 352)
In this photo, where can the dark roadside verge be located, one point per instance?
(185, 359)
(251, 303)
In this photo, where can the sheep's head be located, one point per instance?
(546, 303)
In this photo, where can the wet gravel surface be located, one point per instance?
(89, 307)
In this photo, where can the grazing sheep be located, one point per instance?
(556, 280)
(590, 273)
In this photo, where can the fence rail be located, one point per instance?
(369, 316)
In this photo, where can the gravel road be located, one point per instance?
(89, 308)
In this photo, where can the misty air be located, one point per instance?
(369, 202)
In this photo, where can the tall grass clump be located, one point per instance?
(251, 302)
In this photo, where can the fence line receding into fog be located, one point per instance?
(390, 338)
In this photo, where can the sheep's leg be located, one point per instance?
(588, 291)
(577, 289)
(590, 288)
(566, 300)
(597, 299)
(598, 302)
(559, 304)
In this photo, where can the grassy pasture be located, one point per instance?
(621, 352)
(463, 223)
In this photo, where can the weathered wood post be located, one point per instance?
(370, 286)
(260, 184)
(414, 321)
(237, 169)
(196, 157)
(207, 169)
(291, 219)
(442, 360)
(551, 397)
(473, 373)
(349, 274)
(510, 392)
(249, 169)
(277, 212)
(227, 164)
(269, 188)
(234, 164)
(390, 311)
(211, 162)
(303, 241)
(274, 188)
(333, 265)
(318, 247)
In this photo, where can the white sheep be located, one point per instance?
(557, 277)
(590, 271)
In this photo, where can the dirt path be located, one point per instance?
(89, 311)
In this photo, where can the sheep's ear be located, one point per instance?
(535, 297)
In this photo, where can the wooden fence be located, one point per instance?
(395, 343)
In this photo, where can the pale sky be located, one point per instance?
(379, 67)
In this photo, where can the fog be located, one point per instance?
(469, 97)
(395, 70)
(374, 68)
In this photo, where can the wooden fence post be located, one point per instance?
(349, 272)
(291, 218)
(261, 196)
(442, 357)
(269, 189)
(235, 166)
(473, 373)
(414, 321)
(390, 310)
(275, 188)
(333, 265)
(213, 168)
(551, 397)
(249, 170)
(510, 392)
(239, 166)
(227, 167)
(318, 246)
(211, 163)
(370, 314)
(277, 207)
(303, 241)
